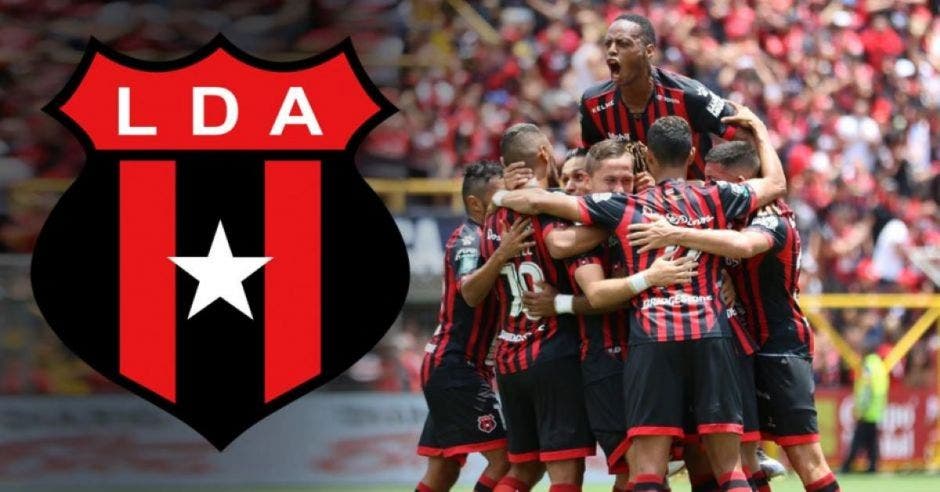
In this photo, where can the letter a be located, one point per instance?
(296, 96)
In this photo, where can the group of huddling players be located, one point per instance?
(648, 307)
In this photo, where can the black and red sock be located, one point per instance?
(423, 488)
(484, 484)
(511, 484)
(648, 483)
(564, 487)
(735, 481)
(824, 484)
(760, 482)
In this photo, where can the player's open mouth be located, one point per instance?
(614, 66)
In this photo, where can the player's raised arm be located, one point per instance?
(772, 183)
(663, 272)
(535, 201)
(722, 242)
(474, 286)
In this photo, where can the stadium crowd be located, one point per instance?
(850, 90)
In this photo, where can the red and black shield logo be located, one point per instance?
(219, 254)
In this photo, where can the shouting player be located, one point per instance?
(767, 280)
(463, 412)
(638, 93)
(681, 354)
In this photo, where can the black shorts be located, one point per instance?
(673, 386)
(604, 401)
(785, 402)
(545, 413)
(463, 415)
(748, 399)
(749, 415)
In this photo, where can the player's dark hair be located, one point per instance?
(735, 155)
(477, 175)
(670, 141)
(601, 151)
(519, 143)
(646, 27)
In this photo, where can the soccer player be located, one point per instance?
(610, 164)
(538, 371)
(574, 180)
(463, 412)
(680, 348)
(638, 93)
(766, 280)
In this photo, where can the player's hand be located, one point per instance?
(643, 181)
(541, 302)
(515, 238)
(728, 294)
(744, 118)
(516, 175)
(668, 271)
(653, 235)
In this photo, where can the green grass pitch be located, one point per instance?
(918, 482)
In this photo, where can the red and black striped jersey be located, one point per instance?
(674, 313)
(768, 285)
(737, 318)
(604, 115)
(603, 336)
(524, 340)
(464, 334)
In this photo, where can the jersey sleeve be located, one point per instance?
(603, 209)
(593, 257)
(737, 199)
(466, 256)
(706, 109)
(549, 223)
(590, 133)
(773, 227)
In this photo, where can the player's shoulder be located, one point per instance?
(598, 90)
(684, 83)
(466, 233)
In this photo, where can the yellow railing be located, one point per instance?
(395, 192)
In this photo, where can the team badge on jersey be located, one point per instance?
(207, 255)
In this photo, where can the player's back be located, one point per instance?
(678, 312)
(524, 340)
(768, 285)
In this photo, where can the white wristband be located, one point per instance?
(564, 304)
(498, 197)
(638, 283)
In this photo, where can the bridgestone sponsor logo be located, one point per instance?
(430, 348)
(675, 300)
(513, 337)
(679, 219)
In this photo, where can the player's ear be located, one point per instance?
(474, 205)
(691, 157)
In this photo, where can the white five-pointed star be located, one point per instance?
(220, 275)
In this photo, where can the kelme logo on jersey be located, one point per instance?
(206, 256)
